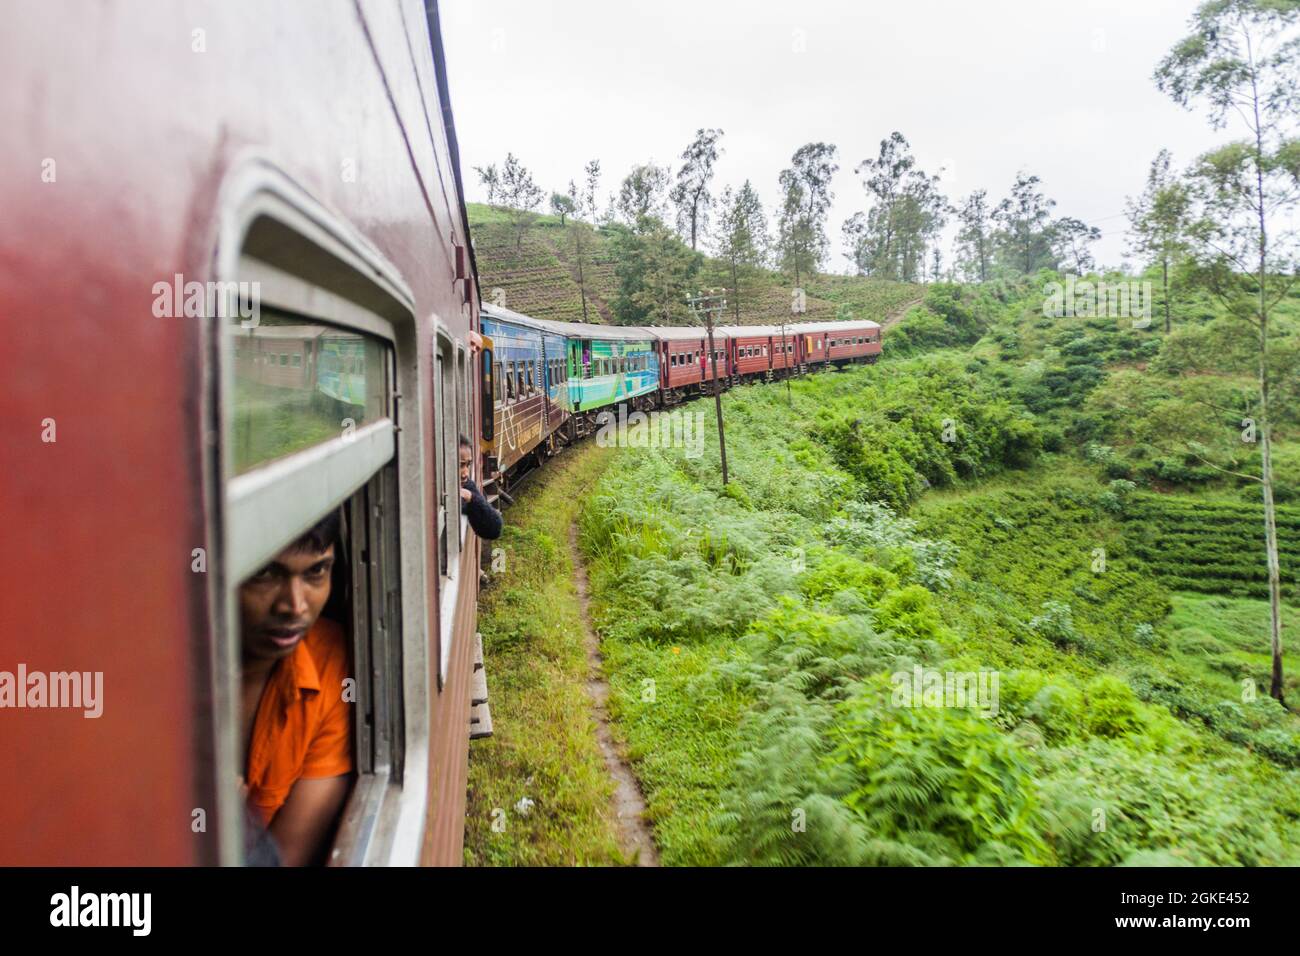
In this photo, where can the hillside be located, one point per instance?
(539, 277)
(754, 637)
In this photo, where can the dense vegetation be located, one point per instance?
(1060, 493)
(767, 620)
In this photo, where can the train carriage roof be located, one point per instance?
(675, 333)
(836, 326)
(501, 314)
(572, 330)
(583, 330)
(749, 331)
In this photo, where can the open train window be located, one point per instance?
(448, 408)
(299, 450)
(293, 448)
(462, 421)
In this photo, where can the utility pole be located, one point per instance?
(798, 306)
(708, 303)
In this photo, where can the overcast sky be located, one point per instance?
(1060, 89)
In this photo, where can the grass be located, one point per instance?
(1224, 640)
(748, 688)
(678, 725)
(544, 743)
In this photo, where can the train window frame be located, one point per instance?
(302, 258)
(463, 426)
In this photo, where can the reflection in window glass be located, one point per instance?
(278, 409)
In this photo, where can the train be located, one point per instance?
(295, 167)
(295, 177)
(550, 381)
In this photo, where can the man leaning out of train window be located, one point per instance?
(296, 705)
(483, 518)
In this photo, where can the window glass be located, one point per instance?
(439, 456)
(275, 413)
(462, 400)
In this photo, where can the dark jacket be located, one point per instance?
(483, 518)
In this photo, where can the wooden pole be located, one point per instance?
(786, 358)
(708, 304)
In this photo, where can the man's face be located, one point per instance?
(279, 604)
(466, 462)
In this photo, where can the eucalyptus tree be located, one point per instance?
(1242, 60)
(742, 241)
(690, 195)
(1159, 223)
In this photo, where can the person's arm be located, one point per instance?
(307, 816)
(483, 518)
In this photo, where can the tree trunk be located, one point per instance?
(582, 282)
(735, 288)
(1265, 448)
(1168, 324)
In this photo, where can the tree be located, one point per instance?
(858, 231)
(1160, 220)
(1070, 241)
(793, 239)
(564, 205)
(653, 269)
(490, 180)
(588, 203)
(1243, 56)
(975, 237)
(922, 212)
(907, 213)
(806, 198)
(520, 195)
(1025, 237)
(742, 241)
(691, 195)
(580, 200)
(641, 197)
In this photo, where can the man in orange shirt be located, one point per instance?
(296, 726)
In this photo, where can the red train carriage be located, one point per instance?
(158, 451)
(759, 349)
(685, 367)
(844, 342)
(812, 343)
